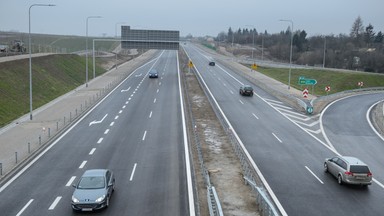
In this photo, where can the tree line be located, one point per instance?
(362, 49)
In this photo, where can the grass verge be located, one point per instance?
(52, 76)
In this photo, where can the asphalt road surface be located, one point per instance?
(137, 132)
(290, 158)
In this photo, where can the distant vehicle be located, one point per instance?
(153, 73)
(94, 190)
(246, 90)
(348, 170)
(212, 63)
(4, 48)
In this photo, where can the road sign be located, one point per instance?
(327, 88)
(309, 109)
(360, 84)
(307, 81)
(305, 93)
(254, 66)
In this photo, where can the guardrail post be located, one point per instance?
(39, 139)
(57, 126)
(49, 132)
(16, 156)
(70, 116)
(81, 107)
(1, 168)
(76, 111)
(29, 147)
(64, 120)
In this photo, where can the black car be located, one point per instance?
(246, 90)
(211, 63)
(153, 74)
(94, 190)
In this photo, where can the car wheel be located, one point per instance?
(325, 167)
(339, 179)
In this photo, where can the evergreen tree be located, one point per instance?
(379, 37)
(357, 28)
(369, 35)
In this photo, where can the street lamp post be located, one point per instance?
(86, 49)
(253, 42)
(116, 39)
(30, 55)
(325, 48)
(290, 55)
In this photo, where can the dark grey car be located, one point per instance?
(153, 73)
(246, 90)
(348, 170)
(93, 190)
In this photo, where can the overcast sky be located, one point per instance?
(196, 17)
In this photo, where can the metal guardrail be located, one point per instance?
(213, 200)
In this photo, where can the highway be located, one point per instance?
(137, 132)
(290, 158)
(348, 131)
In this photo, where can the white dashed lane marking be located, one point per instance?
(69, 183)
(82, 165)
(100, 140)
(53, 205)
(92, 151)
(133, 172)
(145, 134)
(106, 131)
(25, 207)
(112, 123)
(150, 114)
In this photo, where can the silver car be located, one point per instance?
(348, 170)
(93, 190)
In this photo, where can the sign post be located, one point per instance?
(190, 65)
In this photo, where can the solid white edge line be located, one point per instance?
(25, 207)
(133, 172)
(54, 204)
(314, 175)
(186, 148)
(261, 176)
(377, 133)
(67, 131)
(69, 183)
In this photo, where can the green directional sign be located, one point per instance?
(304, 81)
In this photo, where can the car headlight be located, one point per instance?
(74, 199)
(100, 199)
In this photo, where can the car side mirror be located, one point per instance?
(74, 185)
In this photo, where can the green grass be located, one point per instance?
(209, 46)
(53, 76)
(338, 80)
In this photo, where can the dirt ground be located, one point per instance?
(224, 168)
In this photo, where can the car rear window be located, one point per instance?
(359, 169)
(248, 88)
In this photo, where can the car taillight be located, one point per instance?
(349, 173)
(369, 174)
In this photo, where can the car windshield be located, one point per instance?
(91, 182)
(359, 169)
(248, 88)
